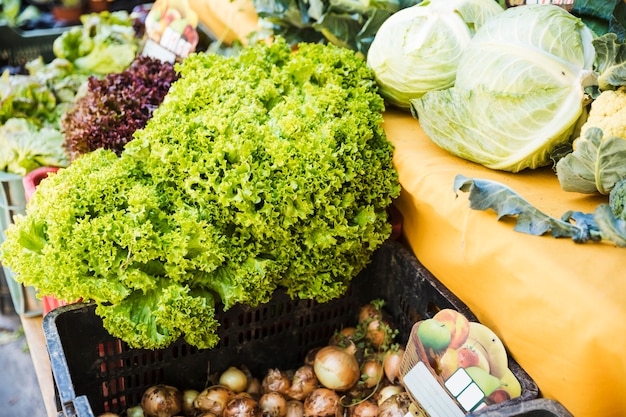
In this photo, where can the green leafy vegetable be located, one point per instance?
(347, 23)
(519, 90)
(25, 146)
(610, 62)
(263, 170)
(104, 43)
(486, 194)
(602, 16)
(595, 165)
(418, 49)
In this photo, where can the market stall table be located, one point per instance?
(559, 306)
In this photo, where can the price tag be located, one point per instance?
(171, 28)
(566, 4)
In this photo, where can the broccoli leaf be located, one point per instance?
(602, 224)
(610, 61)
(487, 194)
(595, 165)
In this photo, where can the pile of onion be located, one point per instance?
(355, 375)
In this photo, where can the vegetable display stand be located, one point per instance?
(95, 372)
(12, 202)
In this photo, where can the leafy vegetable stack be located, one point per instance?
(265, 170)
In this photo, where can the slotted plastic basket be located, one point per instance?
(95, 372)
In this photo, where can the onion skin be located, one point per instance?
(276, 380)
(388, 391)
(366, 408)
(213, 399)
(162, 401)
(273, 404)
(254, 388)
(189, 396)
(235, 379)
(303, 383)
(295, 408)
(369, 312)
(336, 369)
(310, 356)
(322, 402)
(242, 405)
(372, 371)
(395, 406)
(391, 365)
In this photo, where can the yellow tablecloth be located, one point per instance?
(560, 307)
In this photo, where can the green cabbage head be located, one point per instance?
(519, 90)
(418, 49)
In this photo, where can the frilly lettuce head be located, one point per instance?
(418, 49)
(265, 170)
(519, 90)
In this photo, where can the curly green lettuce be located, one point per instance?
(262, 171)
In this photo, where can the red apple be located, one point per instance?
(457, 323)
(498, 396)
(467, 357)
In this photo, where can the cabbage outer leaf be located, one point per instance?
(418, 49)
(519, 90)
(503, 132)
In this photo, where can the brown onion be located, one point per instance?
(295, 408)
(189, 395)
(213, 399)
(391, 365)
(276, 380)
(303, 383)
(254, 388)
(369, 312)
(273, 404)
(234, 378)
(336, 369)
(242, 405)
(135, 411)
(395, 406)
(372, 372)
(162, 401)
(388, 391)
(322, 402)
(366, 408)
(310, 356)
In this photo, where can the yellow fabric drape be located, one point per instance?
(560, 307)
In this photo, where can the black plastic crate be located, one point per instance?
(95, 372)
(17, 47)
(538, 407)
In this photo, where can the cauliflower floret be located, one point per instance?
(608, 113)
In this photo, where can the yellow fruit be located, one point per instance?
(510, 384)
(496, 352)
